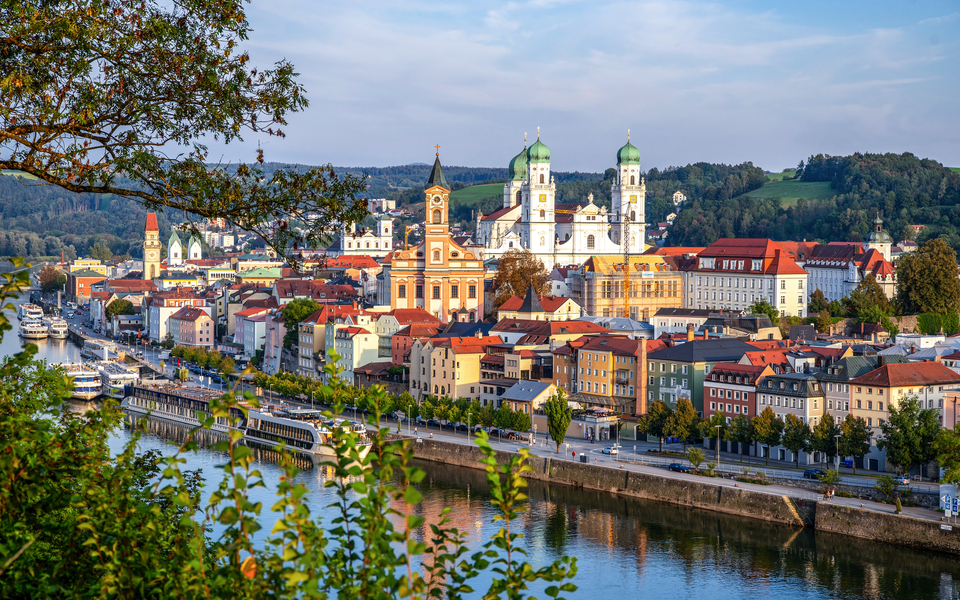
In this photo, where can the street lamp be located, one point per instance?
(718, 444)
(837, 438)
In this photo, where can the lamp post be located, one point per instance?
(837, 438)
(718, 444)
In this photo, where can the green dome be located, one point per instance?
(538, 153)
(628, 155)
(518, 166)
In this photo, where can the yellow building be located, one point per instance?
(438, 275)
(448, 366)
(263, 276)
(598, 287)
(82, 264)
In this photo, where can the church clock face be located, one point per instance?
(543, 197)
(437, 201)
(633, 199)
(152, 255)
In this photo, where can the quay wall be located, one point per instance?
(797, 512)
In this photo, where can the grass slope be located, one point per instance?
(473, 194)
(19, 174)
(954, 169)
(790, 191)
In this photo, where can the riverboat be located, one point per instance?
(56, 328)
(29, 312)
(86, 381)
(33, 330)
(97, 349)
(179, 404)
(115, 378)
(302, 429)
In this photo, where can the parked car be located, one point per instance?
(679, 467)
(813, 474)
(433, 423)
(901, 480)
(496, 432)
(611, 450)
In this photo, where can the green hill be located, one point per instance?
(955, 169)
(792, 190)
(473, 194)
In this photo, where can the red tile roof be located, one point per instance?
(359, 261)
(188, 313)
(548, 328)
(674, 250)
(420, 330)
(409, 316)
(249, 312)
(548, 303)
(333, 311)
(783, 265)
(752, 372)
(619, 346)
(499, 213)
(152, 222)
(907, 374)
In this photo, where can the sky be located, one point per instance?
(732, 81)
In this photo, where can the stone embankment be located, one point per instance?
(798, 512)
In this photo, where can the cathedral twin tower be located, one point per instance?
(565, 234)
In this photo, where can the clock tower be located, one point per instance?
(151, 248)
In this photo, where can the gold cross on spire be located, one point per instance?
(538, 132)
(628, 135)
(438, 150)
(524, 139)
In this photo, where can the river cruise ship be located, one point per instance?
(115, 378)
(29, 312)
(56, 328)
(33, 330)
(86, 381)
(97, 349)
(179, 404)
(302, 429)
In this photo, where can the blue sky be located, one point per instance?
(771, 82)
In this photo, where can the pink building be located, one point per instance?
(191, 327)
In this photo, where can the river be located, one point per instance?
(629, 548)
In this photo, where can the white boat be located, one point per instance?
(56, 328)
(301, 429)
(115, 378)
(33, 330)
(97, 349)
(86, 380)
(29, 312)
(178, 404)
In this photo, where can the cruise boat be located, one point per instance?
(29, 312)
(56, 328)
(302, 429)
(179, 404)
(97, 349)
(33, 330)
(115, 378)
(86, 380)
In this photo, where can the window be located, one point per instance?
(590, 241)
(402, 291)
(783, 285)
(436, 256)
(419, 291)
(472, 291)
(454, 291)
(541, 177)
(437, 217)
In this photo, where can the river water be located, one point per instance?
(627, 548)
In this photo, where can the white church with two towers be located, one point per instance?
(565, 234)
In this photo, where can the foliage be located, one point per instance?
(100, 113)
(886, 486)
(824, 434)
(168, 342)
(768, 429)
(947, 451)
(796, 436)
(294, 312)
(486, 416)
(899, 508)
(927, 280)
(516, 272)
(655, 422)
(818, 302)
(51, 279)
(503, 417)
(684, 423)
(101, 252)
(824, 322)
(696, 457)
(119, 307)
(933, 323)
(868, 295)
(742, 432)
(854, 438)
(521, 421)
(830, 478)
(762, 307)
(559, 414)
(708, 427)
(908, 435)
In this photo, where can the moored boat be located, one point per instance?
(86, 380)
(56, 328)
(33, 330)
(115, 378)
(179, 404)
(29, 312)
(301, 429)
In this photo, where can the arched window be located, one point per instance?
(472, 316)
(542, 241)
(543, 214)
(633, 215)
(566, 237)
(436, 255)
(437, 217)
(454, 316)
(519, 197)
(590, 241)
(435, 389)
(386, 231)
(541, 177)
(349, 244)
(633, 180)
(368, 244)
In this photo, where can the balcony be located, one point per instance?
(621, 380)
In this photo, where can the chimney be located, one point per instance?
(690, 332)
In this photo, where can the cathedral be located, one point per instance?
(565, 234)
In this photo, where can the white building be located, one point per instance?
(837, 269)
(377, 243)
(563, 234)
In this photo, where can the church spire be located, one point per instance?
(436, 174)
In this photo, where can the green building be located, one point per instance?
(679, 371)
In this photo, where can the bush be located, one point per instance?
(886, 486)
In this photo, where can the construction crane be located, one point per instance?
(406, 235)
(625, 239)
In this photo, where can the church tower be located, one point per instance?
(174, 250)
(879, 239)
(516, 173)
(628, 199)
(436, 223)
(151, 248)
(537, 222)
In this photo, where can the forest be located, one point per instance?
(903, 189)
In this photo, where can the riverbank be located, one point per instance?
(777, 504)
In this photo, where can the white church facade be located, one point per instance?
(367, 242)
(565, 234)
